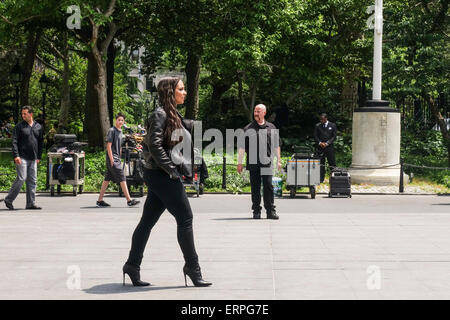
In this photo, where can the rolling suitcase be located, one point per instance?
(340, 183)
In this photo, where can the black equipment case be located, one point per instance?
(340, 183)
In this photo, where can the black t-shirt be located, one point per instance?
(115, 137)
(253, 135)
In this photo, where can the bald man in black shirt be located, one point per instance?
(260, 169)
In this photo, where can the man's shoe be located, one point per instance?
(33, 207)
(256, 215)
(272, 215)
(9, 205)
(133, 202)
(102, 204)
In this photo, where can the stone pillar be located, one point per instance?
(376, 126)
(376, 143)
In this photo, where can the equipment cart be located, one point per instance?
(194, 182)
(303, 170)
(130, 167)
(133, 163)
(66, 168)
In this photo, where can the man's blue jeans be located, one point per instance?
(26, 172)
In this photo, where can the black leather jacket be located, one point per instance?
(155, 152)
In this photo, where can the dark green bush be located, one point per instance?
(5, 143)
(418, 147)
(423, 147)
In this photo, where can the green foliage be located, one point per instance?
(123, 102)
(301, 53)
(425, 148)
(423, 143)
(5, 143)
(343, 147)
(417, 59)
(446, 180)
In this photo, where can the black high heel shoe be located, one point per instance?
(196, 276)
(134, 274)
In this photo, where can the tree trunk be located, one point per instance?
(248, 110)
(218, 89)
(418, 111)
(65, 90)
(100, 90)
(112, 52)
(97, 118)
(253, 101)
(31, 50)
(93, 101)
(349, 94)
(96, 96)
(192, 79)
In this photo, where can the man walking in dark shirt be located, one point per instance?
(261, 138)
(27, 142)
(324, 135)
(114, 171)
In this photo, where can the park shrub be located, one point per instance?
(424, 147)
(419, 149)
(5, 143)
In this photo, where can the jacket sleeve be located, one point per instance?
(15, 138)
(155, 140)
(316, 134)
(333, 137)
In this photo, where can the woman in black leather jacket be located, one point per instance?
(165, 187)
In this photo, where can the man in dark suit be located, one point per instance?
(324, 135)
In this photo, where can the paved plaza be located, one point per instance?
(366, 247)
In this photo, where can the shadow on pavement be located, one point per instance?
(250, 218)
(99, 208)
(114, 288)
(297, 196)
(63, 194)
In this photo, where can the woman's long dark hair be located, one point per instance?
(166, 95)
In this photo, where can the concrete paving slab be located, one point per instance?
(319, 249)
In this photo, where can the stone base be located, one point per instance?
(378, 177)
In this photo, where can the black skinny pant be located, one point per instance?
(328, 152)
(255, 182)
(164, 193)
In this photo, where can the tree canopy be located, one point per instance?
(303, 56)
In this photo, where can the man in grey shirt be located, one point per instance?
(114, 171)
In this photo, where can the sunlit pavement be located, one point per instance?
(366, 247)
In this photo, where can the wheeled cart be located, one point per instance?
(132, 165)
(194, 182)
(66, 168)
(303, 170)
